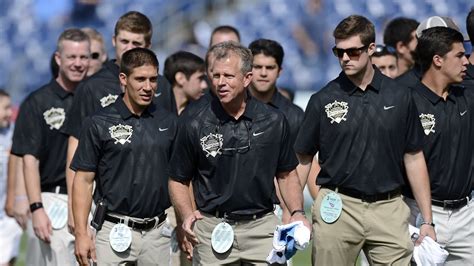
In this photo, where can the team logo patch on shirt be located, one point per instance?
(337, 111)
(54, 117)
(428, 121)
(121, 133)
(212, 144)
(108, 100)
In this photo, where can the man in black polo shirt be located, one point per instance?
(126, 149)
(446, 113)
(133, 29)
(232, 148)
(38, 139)
(367, 132)
(266, 68)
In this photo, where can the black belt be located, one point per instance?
(364, 197)
(452, 204)
(56, 189)
(145, 225)
(240, 217)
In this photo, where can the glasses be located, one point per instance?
(353, 53)
(240, 149)
(381, 50)
(95, 56)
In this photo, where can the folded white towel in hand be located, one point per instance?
(286, 240)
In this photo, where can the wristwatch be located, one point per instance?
(35, 206)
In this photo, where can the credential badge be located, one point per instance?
(121, 133)
(108, 100)
(337, 111)
(428, 121)
(54, 117)
(212, 144)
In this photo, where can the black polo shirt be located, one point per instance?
(361, 135)
(293, 113)
(449, 130)
(102, 89)
(129, 155)
(37, 132)
(410, 78)
(233, 162)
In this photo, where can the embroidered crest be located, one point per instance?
(212, 144)
(121, 133)
(428, 121)
(108, 100)
(54, 117)
(337, 111)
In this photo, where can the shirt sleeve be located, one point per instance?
(28, 134)
(183, 157)
(414, 136)
(88, 151)
(287, 159)
(308, 139)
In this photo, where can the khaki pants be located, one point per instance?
(252, 241)
(454, 231)
(147, 248)
(379, 228)
(61, 249)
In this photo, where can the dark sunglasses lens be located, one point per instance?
(338, 52)
(95, 55)
(353, 52)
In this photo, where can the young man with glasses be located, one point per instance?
(98, 51)
(366, 131)
(385, 59)
(231, 149)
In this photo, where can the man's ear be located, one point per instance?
(180, 78)
(123, 79)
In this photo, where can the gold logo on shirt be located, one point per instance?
(121, 133)
(428, 121)
(212, 144)
(337, 111)
(54, 117)
(108, 100)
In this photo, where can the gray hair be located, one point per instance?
(73, 34)
(226, 49)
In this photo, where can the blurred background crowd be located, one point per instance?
(29, 29)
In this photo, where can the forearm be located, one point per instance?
(81, 201)
(32, 178)
(71, 149)
(20, 187)
(417, 174)
(10, 198)
(303, 168)
(179, 195)
(291, 191)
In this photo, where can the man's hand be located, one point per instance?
(188, 225)
(21, 212)
(426, 230)
(42, 225)
(183, 243)
(300, 217)
(85, 249)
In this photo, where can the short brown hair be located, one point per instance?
(137, 57)
(94, 35)
(135, 22)
(356, 25)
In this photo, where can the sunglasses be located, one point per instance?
(95, 56)
(381, 50)
(353, 53)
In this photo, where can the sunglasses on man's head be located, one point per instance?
(385, 49)
(95, 56)
(351, 52)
